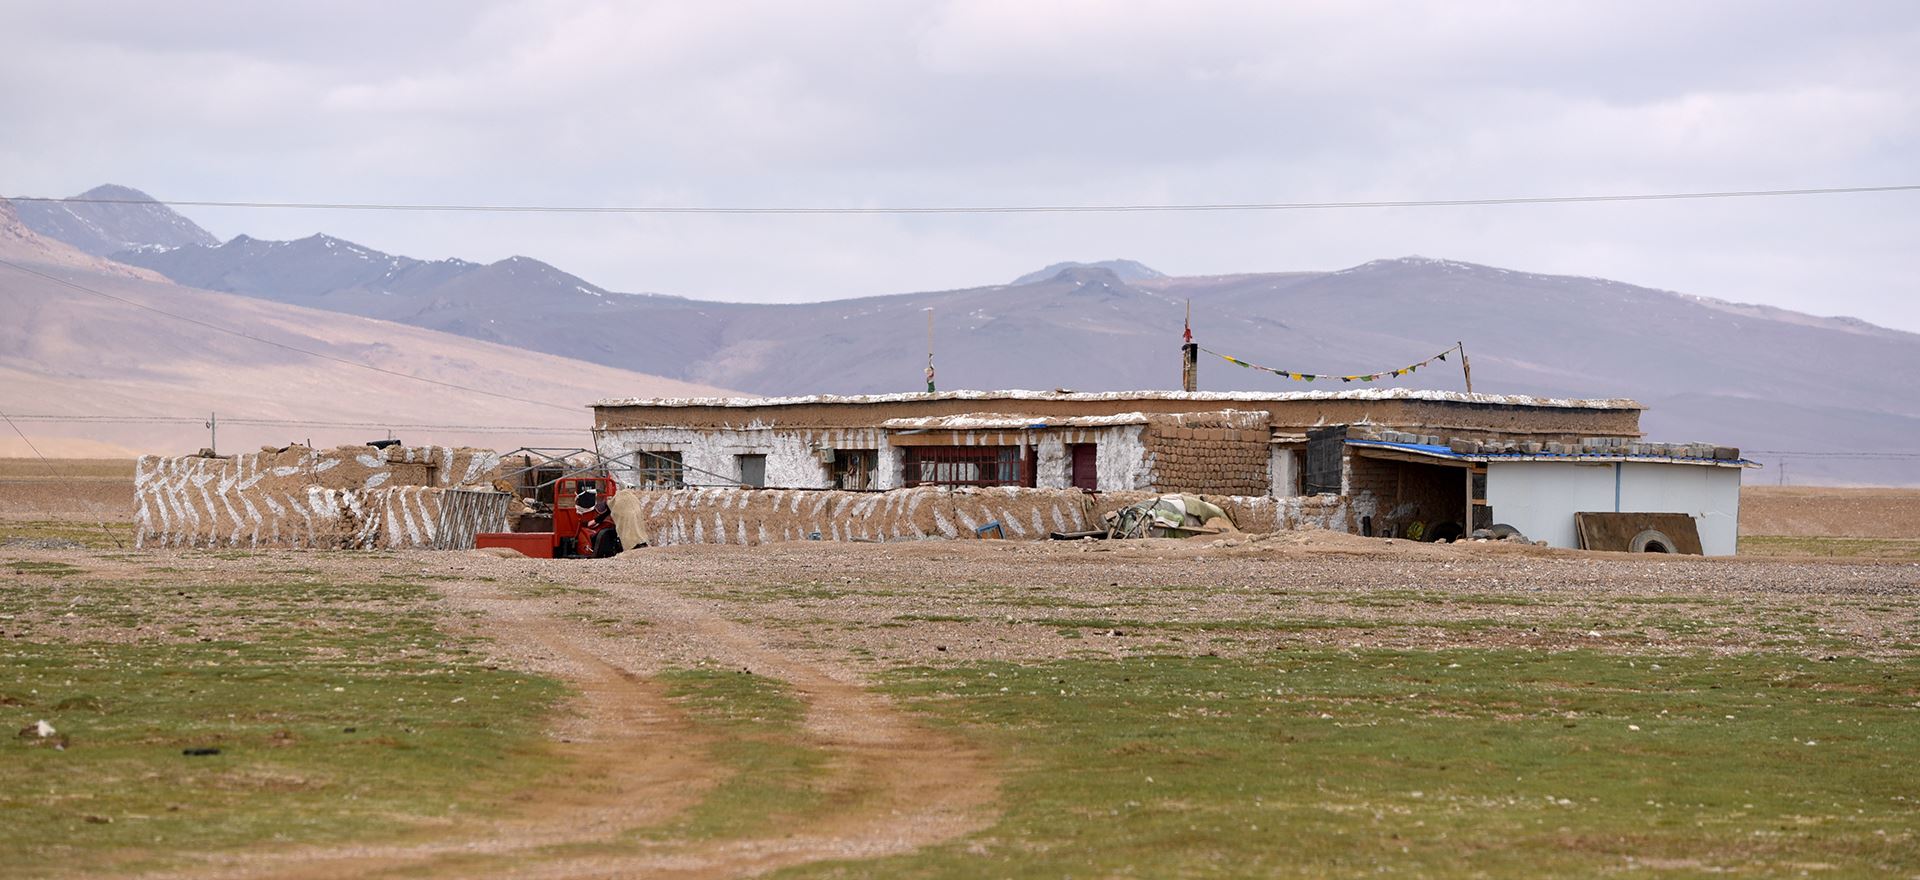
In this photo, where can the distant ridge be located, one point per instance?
(1756, 377)
(82, 349)
(1126, 270)
(103, 229)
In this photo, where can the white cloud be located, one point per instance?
(981, 102)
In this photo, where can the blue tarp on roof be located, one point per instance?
(1447, 452)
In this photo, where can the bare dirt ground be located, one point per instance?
(1830, 512)
(66, 488)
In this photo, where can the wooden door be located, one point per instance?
(1083, 471)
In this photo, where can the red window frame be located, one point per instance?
(969, 466)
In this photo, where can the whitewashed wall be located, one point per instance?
(1283, 466)
(1051, 469)
(1540, 497)
(1710, 494)
(1122, 459)
(793, 461)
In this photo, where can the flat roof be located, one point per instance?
(1480, 457)
(1612, 403)
(1009, 422)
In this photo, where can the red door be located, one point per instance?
(1084, 474)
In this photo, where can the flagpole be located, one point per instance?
(929, 311)
(1466, 366)
(1189, 354)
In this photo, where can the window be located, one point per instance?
(968, 466)
(854, 469)
(1325, 449)
(659, 470)
(753, 470)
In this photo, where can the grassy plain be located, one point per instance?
(1333, 709)
(196, 716)
(1453, 763)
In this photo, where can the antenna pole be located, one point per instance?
(1466, 366)
(213, 433)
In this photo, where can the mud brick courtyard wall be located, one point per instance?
(352, 497)
(1213, 453)
(761, 516)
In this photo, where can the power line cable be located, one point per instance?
(57, 474)
(986, 209)
(1833, 454)
(281, 345)
(306, 423)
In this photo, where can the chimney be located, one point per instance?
(1190, 367)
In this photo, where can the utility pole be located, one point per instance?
(1783, 472)
(213, 433)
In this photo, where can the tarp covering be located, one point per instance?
(1168, 516)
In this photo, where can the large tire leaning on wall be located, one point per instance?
(1650, 541)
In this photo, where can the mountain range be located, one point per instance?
(1763, 378)
(98, 358)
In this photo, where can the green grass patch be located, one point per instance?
(1864, 548)
(1460, 763)
(55, 569)
(339, 712)
(548, 591)
(610, 624)
(755, 722)
(115, 535)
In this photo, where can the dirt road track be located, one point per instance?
(893, 785)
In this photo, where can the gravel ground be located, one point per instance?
(938, 601)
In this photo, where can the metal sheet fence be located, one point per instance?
(464, 513)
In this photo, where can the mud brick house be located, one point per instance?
(1406, 461)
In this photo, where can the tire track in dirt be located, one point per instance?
(892, 785)
(631, 760)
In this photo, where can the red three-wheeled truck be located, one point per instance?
(582, 524)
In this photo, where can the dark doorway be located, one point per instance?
(753, 471)
(1083, 466)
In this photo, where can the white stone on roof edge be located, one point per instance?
(1013, 421)
(1197, 396)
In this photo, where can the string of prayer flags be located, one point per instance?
(1357, 377)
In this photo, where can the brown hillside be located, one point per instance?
(1822, 511)
(66, 352)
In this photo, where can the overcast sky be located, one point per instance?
(898, 104)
